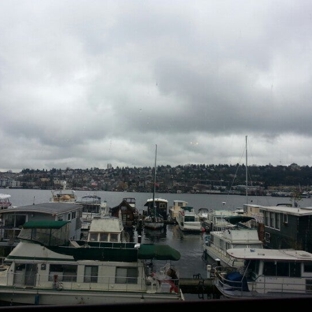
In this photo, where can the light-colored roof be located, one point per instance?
(158, 199)
(296, 211)
(106, 225)
(270, 254)
(4, 196)
(45, 208)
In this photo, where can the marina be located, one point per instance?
(194, 277)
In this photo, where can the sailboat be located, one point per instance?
(154, 220)
(236, 235)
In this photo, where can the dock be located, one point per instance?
(201, 286)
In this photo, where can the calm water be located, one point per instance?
(189, 245)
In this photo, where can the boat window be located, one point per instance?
(103, 237)
(114, 237)
(272, 219)
(64, 272)
(281, 269)
(189, 219)
(91, 274)
(93, 237)
(126, 275)
(307, 267)
(269, 269)
(278, 221)
(267, 216)
(295, 269)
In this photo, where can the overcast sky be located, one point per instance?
(88, 83)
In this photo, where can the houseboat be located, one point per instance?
(45, 268)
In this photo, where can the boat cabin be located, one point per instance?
(13, 219)
(267, 273)
(287, 227)
(127, 211)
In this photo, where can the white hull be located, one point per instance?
(194, 227)
(188, 220)
(64, 297)
(217, 253)
(267, 273)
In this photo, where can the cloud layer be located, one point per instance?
(87, 83)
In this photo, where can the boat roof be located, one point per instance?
(296, 211)
(106, 224)
(238, 219)
(96, 251)
(156, 199)
(179, 201)
(270, 254)
(45, 208)
(4, 196)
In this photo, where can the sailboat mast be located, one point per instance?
(246, 173)
(154, 189)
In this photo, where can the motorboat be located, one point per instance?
(176, 208)
(267, 273)
(216, 243)
(46, 268)
(203, 213)
(63, 195)
(5, 201)
(188, 220)
(92, 207)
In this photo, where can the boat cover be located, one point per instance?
(158, 252)
(237, 219)
(44, 224)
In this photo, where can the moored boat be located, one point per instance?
(5, 201)
(47, 269)
(63, 195)
(267, 273)
(188, 220)
(92, 207)
(176, 208)
(216, 243)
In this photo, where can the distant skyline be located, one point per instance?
(84, 84)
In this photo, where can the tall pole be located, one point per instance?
(246, 173)
(154, 189)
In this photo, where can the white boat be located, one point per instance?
(154, 218)
(216, 243)
(45, 269)
(216, 220)
(64, 195)
(5, 201)
(107, 229)
(267, 273)
(203, 213)
(92, 207)
(175, 208)
(188, 220)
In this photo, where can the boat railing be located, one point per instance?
(66, 281)
(241, 284)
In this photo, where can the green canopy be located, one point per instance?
(238, 219)
(44, 224)
(158, 252)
